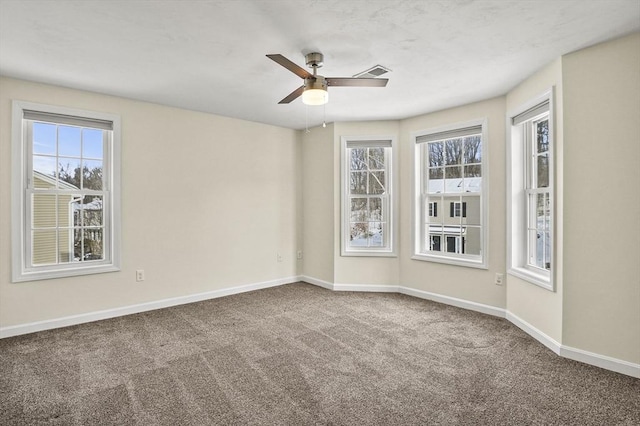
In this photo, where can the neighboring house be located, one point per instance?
(454, 215)
(48, 233)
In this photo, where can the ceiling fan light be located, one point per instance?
(315, 97)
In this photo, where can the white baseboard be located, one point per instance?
(316, 281)
(448, 300)
(591, 358)
(33, 327)
(602, 361)
(373, 288)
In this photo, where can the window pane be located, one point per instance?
(77, 245)
(542, 135)
(435, 180)
(44, 138)
(44, 249)
(65, 244)
(434, 205)
(44, 172)
(471, 212)
(92, 143)
(547, 250)
(472, 240)
(376, 183)
(92, 174)
(375, 209)
(69, 141)
(436, 154)
(435, 242)
(358, 159)
(76, 209)
(358, 182)
(541, 211)
(92, 211)
(453, 179)
(376, 158)
(65, 210)
(93, 244)
(543, 171)
(472, 178)
(451, 207)
(359, 233)
(69, 172)
(359, 211)
(44, 211)
(540, 245)
(453, 151)
(376, 234)
(473, 149)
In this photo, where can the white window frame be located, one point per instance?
(389, 207)
(420, 213)
(520, 172)
(21, 191)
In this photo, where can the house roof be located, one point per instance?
(209, 55)
(52, 181)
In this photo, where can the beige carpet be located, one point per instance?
(302, 355)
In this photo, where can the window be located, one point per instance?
(450, 173)
(65, 192)
(531, 192)
(367, 197)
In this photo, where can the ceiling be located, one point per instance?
(210, 55)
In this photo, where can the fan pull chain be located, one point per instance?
(324, 115)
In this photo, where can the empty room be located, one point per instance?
(319, 212)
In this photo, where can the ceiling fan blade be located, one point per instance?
(357, 82)
(297, 70)
(293, 95)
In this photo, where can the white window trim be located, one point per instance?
(418, 212)
(390, 251)
(19, 152)
(516, 206)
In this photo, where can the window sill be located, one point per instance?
(368, 254)
(63, 273)
(541, 280)
(455, 261)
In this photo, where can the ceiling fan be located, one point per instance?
(314, 89)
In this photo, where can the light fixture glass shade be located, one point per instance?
(315, 97)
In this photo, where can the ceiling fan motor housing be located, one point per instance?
(317, 82)
(314, 59)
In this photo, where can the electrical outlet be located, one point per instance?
(299, 254)
(279, 257)
(499, 279)
(140, 275)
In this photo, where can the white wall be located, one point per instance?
(535, 305)
(203, 196)
(602, 174)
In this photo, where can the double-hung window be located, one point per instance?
(450, 195)
(531, 193)
(65, 192)
(367, 197)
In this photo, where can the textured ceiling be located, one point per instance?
(210, 55)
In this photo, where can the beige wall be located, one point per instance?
(222, 194)
(538, 306)
(476, 285)
(354, 269)
(203, 196)
(318, 204)
(602, 168)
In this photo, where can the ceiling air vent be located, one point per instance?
(374, 72)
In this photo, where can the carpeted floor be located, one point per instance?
(301, 355)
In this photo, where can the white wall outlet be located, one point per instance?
(299, 255)
(140, 275)
(279, 257)
(499, 279)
